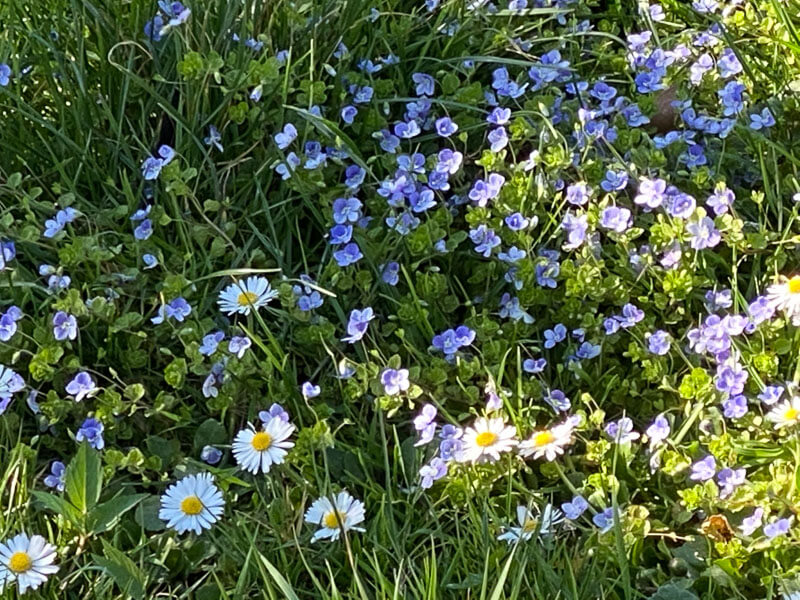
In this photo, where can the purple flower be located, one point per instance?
(498, 139)
(732, 98)
(704, 469)
(776, 528)
(144, 230)
(614, 181)
(729, 479)
(446, 127)
(348, 255)
(210, 343)
(771, 394)
(764, 120)
(357, 325)
(578, 194)
(728, 64)
(56, 477)
(704, 234)
(575, 508)
(8, 251)
(621, 431)
(433, 471)
(309, 390)
(558, 401)
(615, 218)
(276, 411)
(658, 431)
(451, 340)
(91, 430)
(210, 455)
(681, 205)
(81, 386)
(555, 335)
(485, 240)
(391, 273)
(753, 522)
(652, 193)
(587, 350)
(425, 84)
(730, 378)
(346, 210)
(575, 227)
(516, 222)
(659, 342)
(734, 407)
(5, 74)
(394, 381)
(604, 520)
(499, 116)
(215, 378)
(534, 365)
(239, 344)
(65, 326)
(349, 113)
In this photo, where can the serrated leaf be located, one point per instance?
(122, 570)
(105, 515)
(58, 505)
(84, 479)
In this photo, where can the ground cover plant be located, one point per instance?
(448, 298)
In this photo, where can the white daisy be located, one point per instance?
(547, 442)
(243, 296)
(256, 451)
(192, 504)
(28, 561)
(530, 524)
(486, 439)
(343, 514)
(785, 296)
(786, 413)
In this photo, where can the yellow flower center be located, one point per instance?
(791, 414)
(247, 298)
(543, 438)
(20, 562)
(487, 438)
(794, 285)
(529, 526)
(191, 505)
(332, 519)
(261, 441)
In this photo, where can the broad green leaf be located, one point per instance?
(84, 478)
(124, 572)
(58, 505)
(105, 515)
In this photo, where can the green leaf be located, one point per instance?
(84, 478)
(146, 514)
(211, 432)
(284, 586)
(105, 515)
(58, 505)
(672, 591)
(122, 570)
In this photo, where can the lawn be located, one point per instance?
(399, 299)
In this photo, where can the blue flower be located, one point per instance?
(285, 169)
(81, 386)
(425, 84)
(210, 343)
(499, 116)
(54, 226)
(8, 251)
(358, 324)
(354, 176)
(534, 365)
(91, 430)
(555, 335)
(604, 520)
(214, 138)
(498, 139)
(348, 255)
(615, 218)
(587, 350)
(406, 130)
(575, 508)
(210, 455)
(56, 477)
(144, 230)
(778, 527)
(703, 234)
(150, 261)
(349, 113)
(764, 120)
(65, 326)
(485, 240)
(309, 390)
(433, 471)
(239, 344)
(446, 127)
(614, 180)
(734, 407)
(391, 273)
(395, 381)
(728, 64)
(5, 74)
(704, 469)
(450, 341)
(516, 222)
(286, 137)
(658, 342)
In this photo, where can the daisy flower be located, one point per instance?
(243, 296)
(192, 504)
(785, 296)
(28, 561)
(786, 413)
(530, 524)
(547, 442)
(333, 517)
(486, 440)
(256, 451)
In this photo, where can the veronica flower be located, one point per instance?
(239, 344)
(210, 343)
(5, 74)
(446, 127)
(214, 138)
(56, 477)
(358, 324)
(91, 431)
(65, 326)
(210, 455)
(575, 508)
(343, 514)
(82, 385)
(193, 504)
(395, 381)
(8, 251)
(604, 520)
(54, 226)
(309, 390)
(433, 471)
(704, 469)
